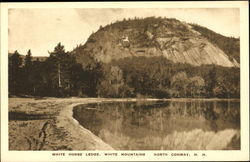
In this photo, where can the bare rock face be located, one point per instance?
(197, 51)
(176, 41)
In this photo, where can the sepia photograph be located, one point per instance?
(125, 82)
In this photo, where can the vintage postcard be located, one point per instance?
(125, 81)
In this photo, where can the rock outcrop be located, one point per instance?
(175, 40)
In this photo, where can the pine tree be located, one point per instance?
(56, 58)
(27, 73)
(61, 64)
(28, 59)
(15, 73)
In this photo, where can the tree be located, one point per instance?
(15, 73)
(210, 81)
(27, 69)
(28, 59)
(227, 85)
(78, 79)
(94, 75)
(179, 83)
(112, 85)
(60, 65)
(196, 86)
(41, 81)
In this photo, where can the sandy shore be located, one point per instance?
(47, 124)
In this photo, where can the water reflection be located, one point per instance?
(168, 125)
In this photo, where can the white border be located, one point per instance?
(243, 154)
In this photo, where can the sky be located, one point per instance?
(41, 29)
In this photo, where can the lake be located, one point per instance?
(164, 125)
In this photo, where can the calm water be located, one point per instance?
(165, 125)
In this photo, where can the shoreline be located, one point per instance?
(60, 131)
(66, 118)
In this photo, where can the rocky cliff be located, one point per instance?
(175, 40)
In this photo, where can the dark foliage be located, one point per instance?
(58, 76)
(158, 77)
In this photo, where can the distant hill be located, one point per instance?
(176, 41)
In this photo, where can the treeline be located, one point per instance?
(61, 76)
(161, 78)
(58, 76)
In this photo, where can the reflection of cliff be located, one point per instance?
(121, 124)
(196, 139)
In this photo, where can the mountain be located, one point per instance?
(176, 41)
(150, 57)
